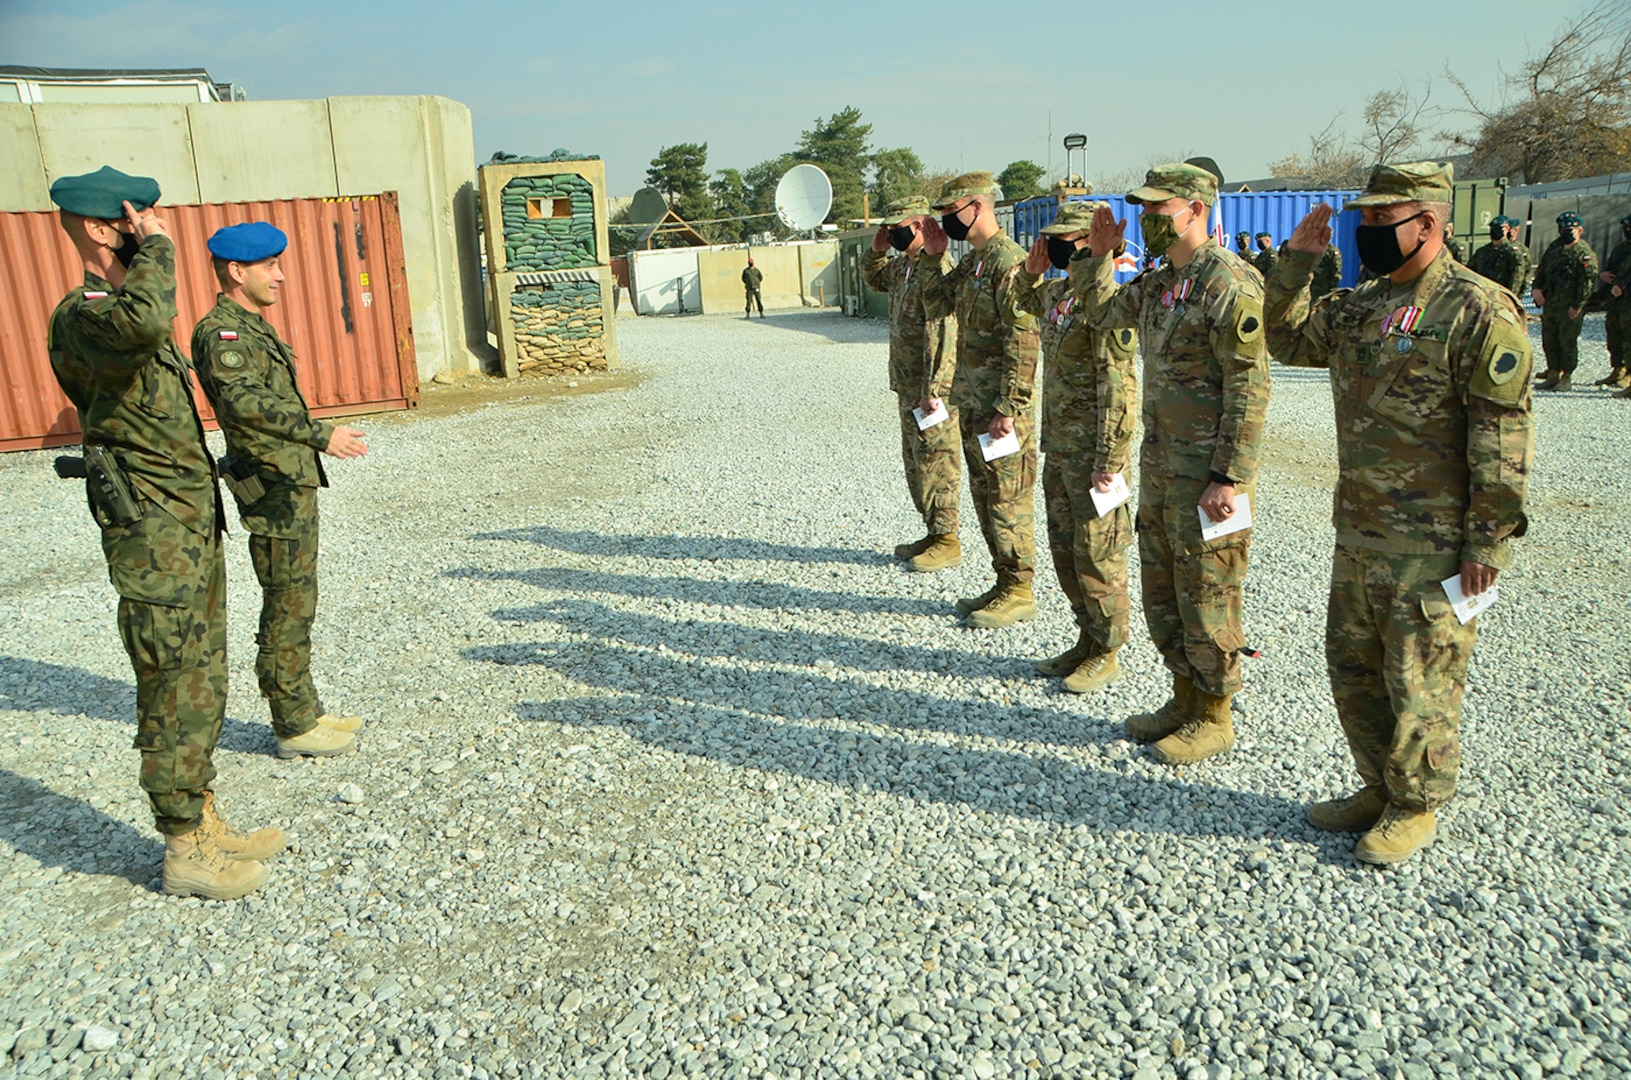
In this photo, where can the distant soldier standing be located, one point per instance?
(1266, 256)
(922, 358)
(1206, 393)
(752, 279)
(1328, 275)
(1526, 264)
(1564, 282)
(1498, 260)
(1243, 246)
(1088, 390)
(152, 491)
(1429, 369)
(1616, 276)
(248, 374)
(1457, 250)
(994, 386)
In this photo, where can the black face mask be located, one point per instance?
(901, 237)
(1626, 232)
(1565, 233)
(126, 251)
(1060, 252)
(1379, 246)
(954, 226)
(1497, 232)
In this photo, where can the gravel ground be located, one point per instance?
(671, 771)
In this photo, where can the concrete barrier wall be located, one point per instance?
(420, 147)
(818, 272)
(719, 272)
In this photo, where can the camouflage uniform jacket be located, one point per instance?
(1206, 374)
(1089, 380)
(1329, 274)
(1526, 265)
(248, 374)
(1264, 261)
(997, 343)
(1567, 275)
(1457, 250)
(115, 356)
(1619, 264)
(752, 277)
(922, 351)
(1431, 384)
(1498, 261)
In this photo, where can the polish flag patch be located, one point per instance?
(229, 335)
(95, 295)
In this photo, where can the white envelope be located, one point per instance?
(1240, 519)
(1467, 607)
(939, 416)
(997, 448)
(1106, 501)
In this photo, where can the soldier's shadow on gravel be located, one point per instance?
(31, 685)
(582, 542)
(997, 781)
(772, 596)
(56, 830)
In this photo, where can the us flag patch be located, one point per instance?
(229, 335)
(95, 295)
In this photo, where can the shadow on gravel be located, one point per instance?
(581, 542)
(756, 594)
(56, 830)
(71, 691)
(997, 781)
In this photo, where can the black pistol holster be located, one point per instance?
(108, 486)
(242, 481)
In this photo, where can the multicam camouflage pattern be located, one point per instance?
(1089, 552)
(997, 351)
(1617, 321)
(1328, 276)
(1402, 716)
(1206, 395)
(933, 460)
(286, 566)
(1431, 381)
(1567, 276)
(1503, 262)
(114, 356)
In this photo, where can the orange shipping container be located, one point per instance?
(344, 308)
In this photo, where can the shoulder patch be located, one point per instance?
(232, 359)
(229, 335)
(1126, 337)
(1502, 375)
(96, 296)
(1248, 323)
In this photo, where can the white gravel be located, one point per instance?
(672, 771)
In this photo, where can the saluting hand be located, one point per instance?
(1037, 261)
(880, 239)
(935, 240)
(145, 223)
(1313, 233)
(1106, 234)
(346, 442)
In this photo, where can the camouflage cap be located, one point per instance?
(1073, 217)
(1415, 181)
(1569, 218)
(103, 193)
(905, 209)
(970, 183)
(1177, 180)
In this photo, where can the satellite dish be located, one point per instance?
(648, 206)
(803, 197)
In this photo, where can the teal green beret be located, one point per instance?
(1568, 217)
(103, 193)
(247, 243)
(1260, 236)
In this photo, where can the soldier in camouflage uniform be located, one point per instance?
(1266, 256)
(1088, 389)
(922, 357)
(248, 374)
(1616, 279)
(1328, 275)
(1206, 392)
(1243, 246)
(1429, 370)
(152, 491)
(993, 387)
(1565, 280)
(1526, 265)
(1457, 250)
(1499, 260)
(752, 280)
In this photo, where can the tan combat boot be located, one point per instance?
(1565, 382)
(1014, 603)
(970, 604)
(341, 722)
(194, 866)
(1209, 732)
(1625, 378)
(1354, 813)
(320, 741)
(1150, 726)
(1544, 375)
(945, 553)
(1615, 377)
(1093, 673)
(257, 846)
(1069, 660)
(916, 547)
(1399, 834)
(1626, 393)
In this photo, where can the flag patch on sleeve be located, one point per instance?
(95, 295)
(229, 335)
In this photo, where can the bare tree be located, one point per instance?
(1568, 111)
(1332, 161)
(1394, 124)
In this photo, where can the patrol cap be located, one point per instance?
(1414, 181)
(1176, 180)
(961, 187)
(249, 242)
(1569, 218)
(1073, 217)
(103, 193)
(905, 209)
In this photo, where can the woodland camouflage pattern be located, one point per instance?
(1617, 324)
(1567, 276)
(115, 358)
(1329, 274)
(1434, 446)
(1503, 262)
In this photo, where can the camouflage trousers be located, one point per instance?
(1398, 660)
(1089, 551)
(173, 622)
(1004, 496)
(754, 297)
(1617, 328)
(286, 566)
(1193, 602)
(934, 467)
(1560, 339)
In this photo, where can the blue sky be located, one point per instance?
(965, 85)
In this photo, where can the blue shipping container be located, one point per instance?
(1274, 212)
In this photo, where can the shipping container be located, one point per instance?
(343, 308)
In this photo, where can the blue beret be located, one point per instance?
(103, 193)
(1568, 217)
(250, 242)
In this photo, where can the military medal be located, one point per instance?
(1404, 320)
